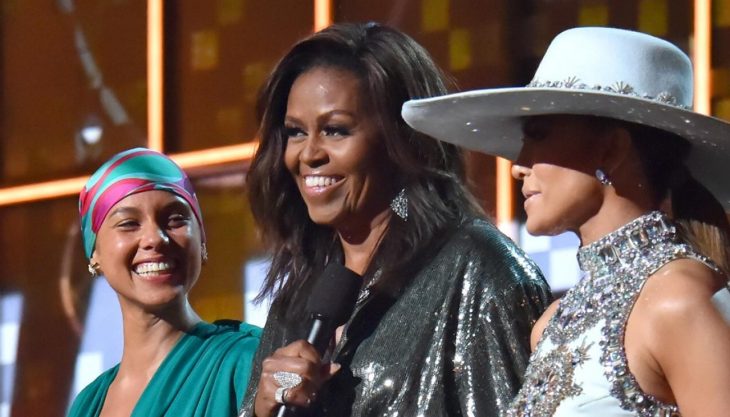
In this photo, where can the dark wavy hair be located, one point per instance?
(392, 68)
(701, 217)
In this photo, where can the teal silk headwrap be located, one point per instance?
(126, 173)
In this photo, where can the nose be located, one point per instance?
(153, 237)
(313, 154)
(521, 166)
(519, 172)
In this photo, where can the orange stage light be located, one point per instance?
(155, 69)
(505, 197)
(322, 14)
(701, 56)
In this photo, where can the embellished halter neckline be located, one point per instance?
(616, 266)
(630, 243)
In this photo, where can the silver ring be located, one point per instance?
(287, 379)
(279, 395)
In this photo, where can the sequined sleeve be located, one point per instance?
(503, 294)
(271, 339)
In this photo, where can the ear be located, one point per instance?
(617, 149)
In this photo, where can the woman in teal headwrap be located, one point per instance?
(143, 230)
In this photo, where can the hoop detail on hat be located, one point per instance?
(619, 87)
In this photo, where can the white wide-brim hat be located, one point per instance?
(594, 71)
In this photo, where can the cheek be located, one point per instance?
(187, 237)
(568, 191)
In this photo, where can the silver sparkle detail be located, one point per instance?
(287, 379)
(618, 87)
(399, 205)
(617, 267)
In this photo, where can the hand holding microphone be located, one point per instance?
(292, 375)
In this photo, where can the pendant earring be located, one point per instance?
(93, 269)
(603, 178)
(399, 205)
(204, 252)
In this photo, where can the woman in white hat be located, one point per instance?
(608, 141)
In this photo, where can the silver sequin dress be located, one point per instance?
(579, 367)
(453, 341)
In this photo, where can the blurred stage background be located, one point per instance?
(83, 79)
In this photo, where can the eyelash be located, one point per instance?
(173, 221)
(332, 130)
(179, 220)
(293, 131)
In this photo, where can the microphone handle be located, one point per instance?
(284, 411)
(317, 338)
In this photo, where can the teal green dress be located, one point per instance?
(204, 375)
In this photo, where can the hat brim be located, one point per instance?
(490, 121)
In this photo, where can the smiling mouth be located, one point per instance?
(152, 269)
(320, 181)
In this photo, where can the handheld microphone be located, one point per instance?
(329, 306)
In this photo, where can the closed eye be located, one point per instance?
(535, 129)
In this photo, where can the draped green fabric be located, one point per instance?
(204, 375)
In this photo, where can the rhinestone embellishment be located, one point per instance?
(616, 266)
(552, 380)
(619, 87)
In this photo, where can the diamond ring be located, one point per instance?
(279, 395)
(287, 379)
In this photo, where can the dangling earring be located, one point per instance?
(93, 269)
(204, 252)
(399, 205)
(603, 178)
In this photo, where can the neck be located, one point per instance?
(614, 213)
(149, 337)
(359, 244)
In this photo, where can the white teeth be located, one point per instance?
(153, 268)
(319, 181)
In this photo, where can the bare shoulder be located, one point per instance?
(680, 285)
(541, 324)
(679, 296)
(684, 334)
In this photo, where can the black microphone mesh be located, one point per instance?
(334, 294)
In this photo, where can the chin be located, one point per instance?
(324, 218)
(543, 227)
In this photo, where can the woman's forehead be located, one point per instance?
(148, 200)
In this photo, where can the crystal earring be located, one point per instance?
(399, 205)
(93, 269)
(204, 252)
(603, 178)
